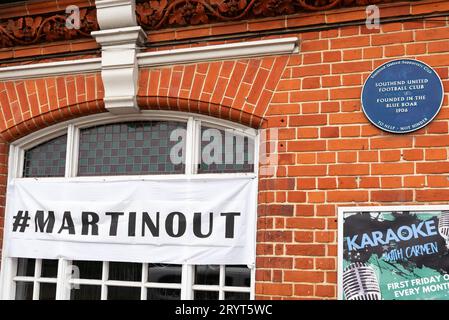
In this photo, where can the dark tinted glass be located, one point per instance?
(86, 292)
(237, 296)
(123, 293)
(223, 151)
(163, 294)
(131, 148)
(205, 295)
(24, 290)
(125, 271)
(46, 159)
(207, 274)
(49, 268)
(166, 273)
(47, 291)
(25, 267)
(237, 276)
(89, 269)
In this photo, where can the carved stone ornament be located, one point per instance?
(45, 28)
(157, 14)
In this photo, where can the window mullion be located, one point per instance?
(143, 293)
(19, 157)
(190, 145)
(104, 278)
(252, 293)
(63, 280)
(196, 149)
(257, 147)
(37, 274)
(187, 282)
(221, 283)
(72, 151)
(9, 265)
(9, 271)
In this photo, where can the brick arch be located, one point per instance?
(236, 90)
(30, 105)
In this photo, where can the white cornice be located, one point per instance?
(157, 58)
(120, 36)
(40, 70)
(219, 52)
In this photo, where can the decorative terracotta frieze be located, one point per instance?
(160, 14)
(157, 14)
(45, 28)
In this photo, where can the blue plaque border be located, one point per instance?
(417, 128)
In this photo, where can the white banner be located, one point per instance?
(178, 221)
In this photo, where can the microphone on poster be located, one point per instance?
(443, 226)
(360, 282)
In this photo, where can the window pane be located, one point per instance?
(165, 273)
(237, 296)
(208, 274)
(131, 148)
(89, 269)
(125, 271)
(49, 268)
(46, 159)
(163, 294)
(222, 151)
(123, 293)
(86, 292)
(205, 295)
(237, 276)
(24, 290)
(25, 267)
(47, 291)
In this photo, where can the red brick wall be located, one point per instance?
(329, 154)
(332, 156)
(238, 90)
(29, 105)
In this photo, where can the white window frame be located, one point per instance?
(343, 210)
(72, 128)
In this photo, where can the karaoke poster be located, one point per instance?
(397, 255)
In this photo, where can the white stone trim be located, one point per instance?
(157, 58)
(55, 130)
(47, 69)
(119, 36)
(119, 68)
(116, 13)
(219, 52)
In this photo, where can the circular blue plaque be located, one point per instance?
(402, 96)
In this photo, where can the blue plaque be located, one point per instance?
(402, 96)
